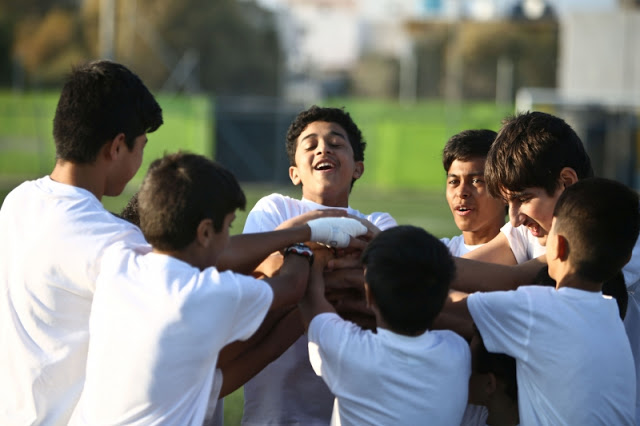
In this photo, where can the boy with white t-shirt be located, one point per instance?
(160, 319)
(326, 154)
(574, 361)
(405, 373)
(55, 231)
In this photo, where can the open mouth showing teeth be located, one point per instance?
(324, 166)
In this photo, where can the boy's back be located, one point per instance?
(58, 234)
(574, 359)
(389, 378)
(157, 326)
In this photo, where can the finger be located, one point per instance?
(357, 243)
(344, 262)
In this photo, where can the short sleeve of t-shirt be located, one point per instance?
(327, 341)
(504, 320)
(254, 299)
(523, 245)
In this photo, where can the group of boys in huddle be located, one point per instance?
(324, 315)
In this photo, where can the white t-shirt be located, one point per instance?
(386, 378)
(523, 244)
(281, 392)
(525, 247)
(157, 327)
(53, 238)
(573, 359)
(457, 247)
(475, 415)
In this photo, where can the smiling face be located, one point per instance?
(477, 214)
(533, 208)
(324, 164)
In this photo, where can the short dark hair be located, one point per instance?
(600, 219)
(408, 272)
(131, 212)
(530, 150)
(178, 192)
(467, 145)
(330, 115)
(98, 101)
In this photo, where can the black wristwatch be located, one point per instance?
(301, 250)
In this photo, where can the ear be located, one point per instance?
(115, 146)
(204, 233)
(491, 384)
(359, 170)
(368, 297)
(562, 247)
(294, 176)
(568, 176)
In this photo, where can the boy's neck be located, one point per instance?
(572, 280)
(328, 200)
(474, 238)
(86, 176)
(189, 255)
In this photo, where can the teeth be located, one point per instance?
(324, 165)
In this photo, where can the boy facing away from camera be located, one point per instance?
(574, 361)
(160, 319)
(326, 155)
(55, 231)
(405, 373)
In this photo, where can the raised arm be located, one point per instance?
(314, 302)
(495, 251)
(473, 275)
(246, 251)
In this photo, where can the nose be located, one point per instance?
(323, 146)
(515, 216)
(464, 189)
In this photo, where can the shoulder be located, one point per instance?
(452, 340)
(275, 200)
(329, 326)
(382, 220)
(456, 245)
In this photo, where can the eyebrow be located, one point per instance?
(333, 132)
(515, 195)
(473, 173)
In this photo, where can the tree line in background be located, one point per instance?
(222, 46)
(230, 47)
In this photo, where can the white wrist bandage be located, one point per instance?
(335, 231)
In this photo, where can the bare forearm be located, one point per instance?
(249, 363)
(246, 251)
(290, 283)
(314, 301)
(233, 350)
(472, 275)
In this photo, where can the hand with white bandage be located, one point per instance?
(335, 231)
